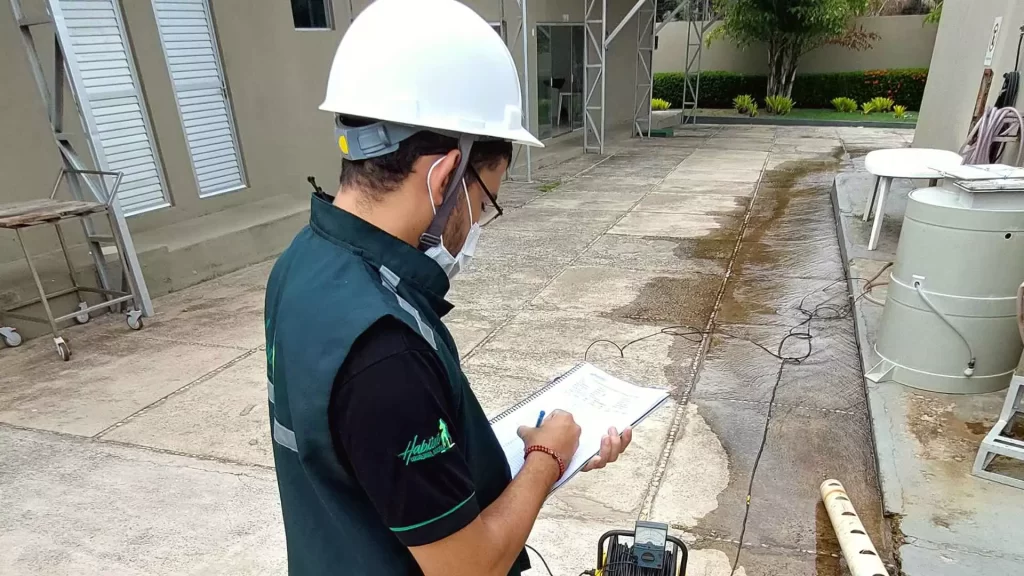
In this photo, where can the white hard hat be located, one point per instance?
(434, 64)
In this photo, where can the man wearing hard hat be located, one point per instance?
(385, 461)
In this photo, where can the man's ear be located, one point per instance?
(442, 174)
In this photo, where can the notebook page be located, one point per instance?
(596, 400)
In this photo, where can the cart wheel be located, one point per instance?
(82, 318)
(64, 351)
(11, 338)
(134, 320)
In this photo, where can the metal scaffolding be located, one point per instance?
(594, 34)
(643, 82)
(700, 19)
(53, 97)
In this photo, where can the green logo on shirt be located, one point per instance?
(417, 449)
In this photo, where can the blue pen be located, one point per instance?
(540, 419)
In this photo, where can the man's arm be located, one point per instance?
(490, 543)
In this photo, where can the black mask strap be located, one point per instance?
(432, 237)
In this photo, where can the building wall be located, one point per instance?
(957, 67)
(906, 42)
(276, 78)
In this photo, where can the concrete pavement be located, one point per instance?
(149, 452)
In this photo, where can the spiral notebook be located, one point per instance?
(597, 400)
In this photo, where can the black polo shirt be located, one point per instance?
(392, 388)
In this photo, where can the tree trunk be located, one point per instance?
(783, 57)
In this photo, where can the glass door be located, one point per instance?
(559, 78)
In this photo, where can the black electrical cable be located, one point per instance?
(823, 311)
(542, 560)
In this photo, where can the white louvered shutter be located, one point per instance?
(190, 47)
(98, 53)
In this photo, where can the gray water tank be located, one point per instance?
(965, 253)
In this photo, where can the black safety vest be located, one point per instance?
(338, 277)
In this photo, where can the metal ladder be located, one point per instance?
(72, 161)
(997, 442)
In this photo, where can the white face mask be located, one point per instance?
(452, 265)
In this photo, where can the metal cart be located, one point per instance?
(21, 215)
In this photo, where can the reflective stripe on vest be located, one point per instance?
(390, 281)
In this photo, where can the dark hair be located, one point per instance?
(384, 174)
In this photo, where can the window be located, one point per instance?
(110, 96)
(312, 15)
(498, 27)
(189, 40)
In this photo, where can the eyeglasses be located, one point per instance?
(494, 201)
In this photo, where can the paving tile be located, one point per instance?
(806, 447)
(749, 157)
(222, 417)
(758, 145)
(538, 345)
(735, 368)
(764, 299)
(470, 326)
(225, 312)
(760, 561)
(713, 174)
(797, 259)
(92, 508)
(553, 220)
(831, 377)
(569, 200)
(659, 254)
(498, 389)
(513, 246)
(711, 204)
(698, 186)
(110, 376)
(632, 295)
(616, 493)
(496, 288)
(677, 225)
(705, 481)
(588, 183)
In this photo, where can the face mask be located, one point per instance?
(452, 265)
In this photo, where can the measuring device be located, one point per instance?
(647, 550)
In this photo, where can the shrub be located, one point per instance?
(899, 112)
(882, 104)
(868, 107)
(753, 110)
(717, 89)
(744, 103)
(844, 104)
(779, 105)
(659, 104)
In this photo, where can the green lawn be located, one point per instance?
(818, 114)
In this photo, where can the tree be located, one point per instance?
(791, 29)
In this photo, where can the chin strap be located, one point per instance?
(432, 237)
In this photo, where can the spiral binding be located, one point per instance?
(537, 393)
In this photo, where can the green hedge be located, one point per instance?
(717, 89)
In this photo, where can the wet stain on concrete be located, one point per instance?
(685, 300)
(780, 185)
(826, 561)
(941, 435)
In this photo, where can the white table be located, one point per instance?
(910, 163)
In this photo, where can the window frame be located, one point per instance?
(328, 12)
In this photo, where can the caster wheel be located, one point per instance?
(82, 318)
(11, 338)
(134, 320)
(64, 351)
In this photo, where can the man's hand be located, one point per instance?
(611, 446)
(558, 431)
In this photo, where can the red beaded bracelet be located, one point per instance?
(549, 452)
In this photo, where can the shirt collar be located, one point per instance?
(380, 249)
